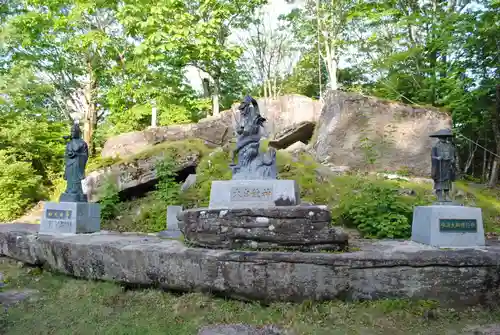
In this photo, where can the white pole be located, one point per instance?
(153, 114)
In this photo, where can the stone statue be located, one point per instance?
(76, 156)
(443, 164)
(252, 164)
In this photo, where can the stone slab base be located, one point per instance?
(448, 226)
(70, 218)
(253, 193)
(381, 269)
(302, 228)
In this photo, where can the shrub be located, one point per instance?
(377, 211)
(109, 199)
(167, 187)
(19, 186)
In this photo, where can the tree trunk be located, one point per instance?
(496, 131)
(331, 65)
(90, 114)
(470, 159)
(494, 171)
(215, 97)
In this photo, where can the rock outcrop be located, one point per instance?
(382, 269)
(217, 130)
(303, 228)
(134, 173)
(301, 132)
(359, 132)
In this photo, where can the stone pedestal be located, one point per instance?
(254, 193)
(70, 217)
(294, 228)
(173, 230)
(448, 226)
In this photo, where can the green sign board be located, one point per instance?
(58, 214)
(457, 226)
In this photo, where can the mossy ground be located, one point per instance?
(147, 214)
(71, 306)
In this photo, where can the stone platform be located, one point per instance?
(292, 228)
(381, 269)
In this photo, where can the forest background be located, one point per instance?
(109, 62)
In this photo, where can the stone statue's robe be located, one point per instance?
(76, 158)
(443, 171)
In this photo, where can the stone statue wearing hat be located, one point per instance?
(443, 164)
(76, 156)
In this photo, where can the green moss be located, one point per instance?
(175, 149)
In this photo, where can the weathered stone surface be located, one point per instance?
(12, 297)
(491, 329)
(297, 147)
(399, 133)
(132, 174)
(241, 329)
(301, 132)
(215, 131)
(287, 111)
(190, 181)
(304, 228)
(382, 269)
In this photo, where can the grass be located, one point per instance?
(144, 214)
(71, 306)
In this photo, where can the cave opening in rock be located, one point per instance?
(302, 132)
(144, 188)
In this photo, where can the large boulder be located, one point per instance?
(286, 111)
(300, 132)
(218, 130)
(365, 132)
(141, 170)
(215, 131)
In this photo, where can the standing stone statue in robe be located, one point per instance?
(76, 156)
(252, 164)
(444, 162)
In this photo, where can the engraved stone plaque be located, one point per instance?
(245, 193)
(253, 193)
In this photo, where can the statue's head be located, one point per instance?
(75, 131)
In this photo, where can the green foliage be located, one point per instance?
(108, 200)
(167, 187)
(377, 212)
(19, 186)
(369, 151)
(58, 188)
(373, 206)
(214, 166)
